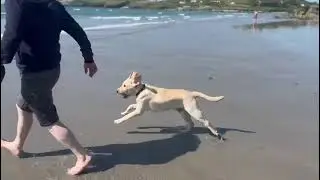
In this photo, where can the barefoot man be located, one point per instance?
(32, 32)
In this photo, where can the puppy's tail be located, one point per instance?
(209, 98)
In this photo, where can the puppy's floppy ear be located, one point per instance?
(131, 74)
(136, 77)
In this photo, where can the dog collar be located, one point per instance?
(143, 88)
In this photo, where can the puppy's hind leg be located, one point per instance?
(187, 118)
(192, 108)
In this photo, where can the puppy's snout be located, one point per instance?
(117, 91)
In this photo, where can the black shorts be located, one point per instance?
(36, 95)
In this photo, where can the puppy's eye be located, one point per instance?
(124, 85)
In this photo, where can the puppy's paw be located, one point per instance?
(118, 121)
(221, 138)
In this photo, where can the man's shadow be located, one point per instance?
(144, 153)
(195, 130)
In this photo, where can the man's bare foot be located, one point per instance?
(80, 166)
(11, 147)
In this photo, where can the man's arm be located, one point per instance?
(3, 72)
(12, 34)
(70, 26)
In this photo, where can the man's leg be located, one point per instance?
(41, 103)
(25, 120)
(64, 135)
(36, 97)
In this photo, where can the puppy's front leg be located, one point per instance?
(138, 111)
(129, 108)
(128, 116)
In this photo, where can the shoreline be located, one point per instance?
(306, 12)
(284, 15)
(184, 8)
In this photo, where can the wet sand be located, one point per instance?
(269, 116)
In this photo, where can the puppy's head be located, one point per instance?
(130, 85)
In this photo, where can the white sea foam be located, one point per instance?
(164, 16)
(226, 16)
(150, 18)
(186, 17)
(136, 18)
(113, 26)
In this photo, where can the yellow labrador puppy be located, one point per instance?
(151, 98)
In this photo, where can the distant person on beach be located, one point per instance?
(32, 33)
(255, 16)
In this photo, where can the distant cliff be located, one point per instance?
(308, 13)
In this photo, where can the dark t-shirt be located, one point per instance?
(32, 33)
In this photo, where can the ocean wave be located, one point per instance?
(186, 17)
(76, 9)
(112, 26)
(164, 16)
(150, 18)
(136, 18)
(133, 18)
(226, 16)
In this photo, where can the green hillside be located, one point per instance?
(242, 5)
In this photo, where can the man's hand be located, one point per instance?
(91, 68)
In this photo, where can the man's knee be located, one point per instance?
(48, 117)
(41, 104)
(43, 108)
(23, 105)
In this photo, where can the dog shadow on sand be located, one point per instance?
(143, 153)
(195, 130)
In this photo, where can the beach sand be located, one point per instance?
(269, 115)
